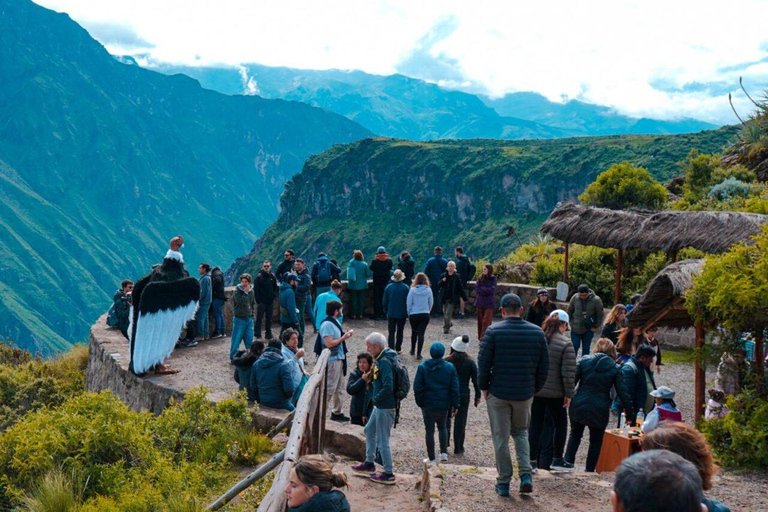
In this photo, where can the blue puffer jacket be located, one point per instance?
(514, 359)
(436, 387)
(596, 374)
(303, 285)
(434, 269)
(274, 380)
(634, 376)
(288, 313)
(396, 299)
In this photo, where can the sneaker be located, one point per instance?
(460, 315)
(269, 336)
(257, 337)
(364, 467)
(526, 483)
(413, 352)
(419, 357)
(458, 451)
(562, 465)
(189, 343)
(443, 457)
(534, 466)
(339, 417)
(200, 338)
(219, 335)
(383, 478)
(502, 490)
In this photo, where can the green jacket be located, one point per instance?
(384, 380)
(362, 274)
(581, 310)
(243, 303)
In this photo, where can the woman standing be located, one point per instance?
(485, 300)
(466, 367)
(614, 323)
(358, 274)
(549, 422)
(651, 337)
(541, 308)
(596, 374)
(629, 340)
(419, 304)
(451, 294)
(310, 488)
(407, 265)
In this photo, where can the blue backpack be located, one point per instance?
(324, 274)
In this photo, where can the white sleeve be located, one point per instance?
(651, 421)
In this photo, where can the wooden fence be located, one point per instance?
(306, 436)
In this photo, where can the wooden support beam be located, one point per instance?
(699, 377)
(759, 354)
(619, 261)
(675, 304)
(565, 266)
(673, 256)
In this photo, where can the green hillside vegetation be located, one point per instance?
(87, 452)
(101, 163)
(415, 195)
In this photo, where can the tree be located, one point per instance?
(625, 186)
(699, 170)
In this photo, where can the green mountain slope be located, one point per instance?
(403, 107)
(415, 195)
(101, 163)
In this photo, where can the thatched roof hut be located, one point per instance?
(663, 302)
(669, 231)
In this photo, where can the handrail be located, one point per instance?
(306, 434)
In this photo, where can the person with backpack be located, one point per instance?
(285, 266)
(390, 386)
(322, 273)
(466, 369)
(358, 274)
(381, 269)
(219, 298)
(334, 338)
(408, 266)
(120, 313)
(434, 270)
(467, 271)
(358, 387)
(452, 293)
(266, 291)
(243, 362)
(204, 304)
(436, 389)
(418, 305)
(395, 304)
(333, 294)
(289, 315)
(303, 297)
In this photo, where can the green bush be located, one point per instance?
(625, 186)
(729, 189)
(699, 169)
(737, 171)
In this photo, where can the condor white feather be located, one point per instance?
(156, 335)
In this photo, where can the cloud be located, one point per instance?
(427, 61)
(118, 36)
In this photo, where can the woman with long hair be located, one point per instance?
(485, 302)
(629, 340)
(614, 322)
(466, 367)
(540, 308)
(596, 374)
(418, 305)
(549, 421)
(311, 487)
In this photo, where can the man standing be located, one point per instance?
(639, 383)
(434, 269)
(319, 310)
(335, 339)
(303, 286)
(463, 268)
(285, 266)
(379, 426)
(381, 268)
(289, 316)
(586, 313)
(512, 367)
(219, 298)
(322, 273)
(452, 294)
(122, 306)
(266, 290)
(395, 304)
(204, 305)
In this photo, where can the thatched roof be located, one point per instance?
(711, 232)
(663, 302)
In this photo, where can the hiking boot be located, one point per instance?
(526, 483)
(413, 352)
(502, 490)
(364, 467)
(460, 315)
(443, 457)
(339, 417)
(383, 478)
(562, 465)
(458, 451)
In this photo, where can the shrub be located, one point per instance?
(54, 493)
(698, 174)
(729, 189)
(625, 186)
(738, 172)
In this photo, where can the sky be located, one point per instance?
(660, 59)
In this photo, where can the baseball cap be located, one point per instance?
(511, 300)
(583, 288)
(561, 315)
(291, 277)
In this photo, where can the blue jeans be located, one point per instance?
(242, 330)
(377, 432)
(583, 340)
(218, 315)
(202, 320)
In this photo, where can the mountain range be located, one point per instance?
(101, 163)
(403, 107)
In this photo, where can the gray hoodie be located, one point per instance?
(419, 300)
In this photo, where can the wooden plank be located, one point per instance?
(663, 312)
(619, 261)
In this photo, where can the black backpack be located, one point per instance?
(471, 270)
(401, 384)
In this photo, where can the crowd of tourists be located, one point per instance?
(536, 369)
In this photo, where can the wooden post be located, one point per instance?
(673, 256)
(759, 354)
(699, 378)
(619, 261)
(565, 267)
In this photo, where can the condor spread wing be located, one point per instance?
(163, 308)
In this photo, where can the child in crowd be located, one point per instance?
(715, 405)
(665, 410)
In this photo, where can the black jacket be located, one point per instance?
(452, 289)
(596, 374)
(467, 371)
(381, 270)
(611, 331)
(283, 268)
(217, 284)
(408, 268)
(325, 501)
(462, 268)
(538, 312)
(634, 375)
(514, 359)
(362, 400)
(266, 287)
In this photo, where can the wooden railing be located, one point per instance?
(306, 434)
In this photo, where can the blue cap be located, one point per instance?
(291, 277)
(437, 350)
(381, 250)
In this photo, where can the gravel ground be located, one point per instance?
(578, 491)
